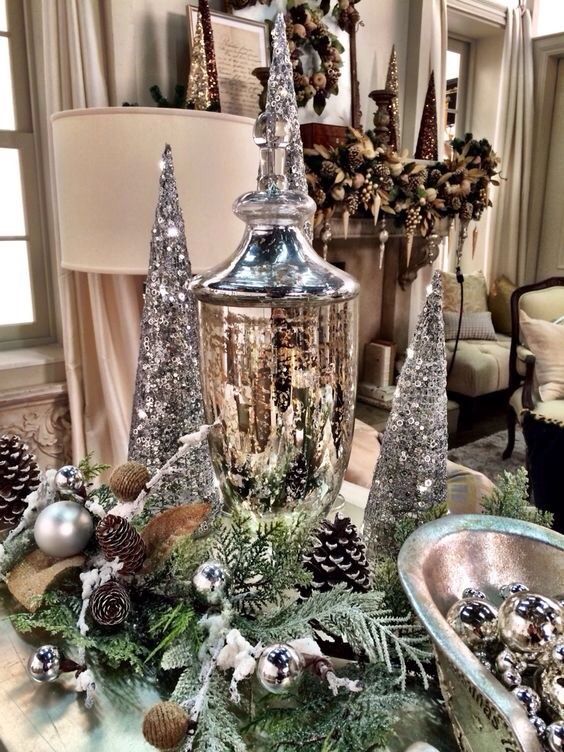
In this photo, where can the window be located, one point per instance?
(457, 62)
(24, 299)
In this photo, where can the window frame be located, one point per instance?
(465, 48)
(41, 330)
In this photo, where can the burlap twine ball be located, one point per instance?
(128, 480)
(165, 725)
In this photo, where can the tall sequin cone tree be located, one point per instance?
(281, 102)
(392, 86)
(198, 89)
(410, 475)
(209, 48)
(168, 394)
(427, 146)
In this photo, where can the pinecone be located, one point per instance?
(19, 476)
(116, 537)
(415, 181)
(381, 170)
(110, 604)
(355, 156)
(337, 556)
(467, 211)
(352, 203)
(328, 169)
(435, 176)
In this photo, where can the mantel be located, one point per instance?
(367, 228)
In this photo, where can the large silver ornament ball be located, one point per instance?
(514, 587)
(528, 698)
(279, 668)
(63, 528)
(552, 691)
(45, 664)
(474, 621)
(555, 736)
(69, 482)
(530, 623)
(210, 581)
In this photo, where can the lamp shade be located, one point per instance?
(107, 177)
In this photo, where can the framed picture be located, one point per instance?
(241, 45)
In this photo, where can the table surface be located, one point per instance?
(52, 717)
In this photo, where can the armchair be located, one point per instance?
(541, 300)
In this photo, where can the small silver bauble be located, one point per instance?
(210, 582)
(514, 587)
(69, 482)
(474, 621)
(555, 736)
(529, 623)
(556, 654)
(45, 664)
(507, 660)
(511, 678)
(279, 668)
(528, 698)
(539, 724)
(63, 528)
(552, 690)
(471, 592)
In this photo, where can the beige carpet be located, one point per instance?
(484, 455)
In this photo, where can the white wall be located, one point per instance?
(150, 46)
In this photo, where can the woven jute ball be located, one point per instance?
(165, 725)
(128, 480)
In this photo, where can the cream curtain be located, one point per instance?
(99, 313)
(514, 142)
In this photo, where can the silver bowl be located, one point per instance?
(435, 564)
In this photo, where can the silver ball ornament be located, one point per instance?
(210, 581)
(506, 660)
(555, 736)
(69, 482)
(471, 592)
(45, 664)
(279, 668)
(511, 678)
(556, 654)
(63, 528)
(528, 698)
(539, 724)
(514, 587)
(474, 621)
(552, 690)
(529, 623)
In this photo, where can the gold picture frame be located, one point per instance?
(241, 46)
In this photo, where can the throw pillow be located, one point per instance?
(546, 341)
(474, 325)
(499, 303)
(475, 292)
(545, 448)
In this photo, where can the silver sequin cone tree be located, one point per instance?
(167, 403)
(410, 475)
(281, 102)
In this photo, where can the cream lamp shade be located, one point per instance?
(107, 179)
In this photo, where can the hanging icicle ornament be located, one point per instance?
(198, 90)
(410, 475)
(326, 235)
(281, 103)
(278, 329)
(168, 393)
(383, 237)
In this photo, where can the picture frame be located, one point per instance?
(241, 45)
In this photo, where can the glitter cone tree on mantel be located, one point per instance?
(168, 397)
(410, 476)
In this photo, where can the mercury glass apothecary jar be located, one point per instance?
(279, 351)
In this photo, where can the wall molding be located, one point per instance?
(486, 11)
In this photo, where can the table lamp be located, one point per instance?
(107, 177)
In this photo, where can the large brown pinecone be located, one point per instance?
(19, 476)
(337, 557)
(110, 604)
(116, 537)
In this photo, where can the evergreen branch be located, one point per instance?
(91, 470)
(510, 498)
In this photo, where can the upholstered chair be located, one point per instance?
(545, 301)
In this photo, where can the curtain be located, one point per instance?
(100, 313)
(514, 142)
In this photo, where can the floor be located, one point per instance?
(483, 417)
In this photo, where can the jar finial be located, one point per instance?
(272, 136)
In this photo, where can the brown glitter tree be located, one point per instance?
(427, 146)
(198, 90)
(392, 87)
(209, 47)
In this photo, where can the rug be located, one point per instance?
(485, 455)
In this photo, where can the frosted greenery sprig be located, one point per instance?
(510, 498)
